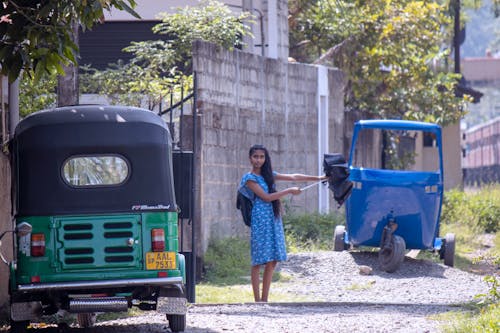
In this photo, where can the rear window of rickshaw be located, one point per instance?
(99, 170)
(396, 150)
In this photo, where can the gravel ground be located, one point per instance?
(339, 299)
(335, 277)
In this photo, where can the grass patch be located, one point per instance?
(207, 293)
(227, 274)
(482, 319)
(227, 262)
(480, 209)
(310, 232)
(361, 286)
(469, 215)
(210, 293)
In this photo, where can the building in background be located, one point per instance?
(104, 44)
(481, 129)
(481, 161)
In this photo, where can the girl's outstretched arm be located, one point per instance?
(268, 197)
(298, 177)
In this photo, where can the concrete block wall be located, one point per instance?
(5, 224)
(243, 99)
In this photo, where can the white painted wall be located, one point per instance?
(323, 135)
(149, 9)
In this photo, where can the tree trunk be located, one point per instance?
(67, 85)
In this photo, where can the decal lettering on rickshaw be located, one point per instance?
(148, 207)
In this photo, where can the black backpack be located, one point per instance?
(245, 205)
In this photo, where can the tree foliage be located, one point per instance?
(389, 51)
(161, 67)
(212, 21)
(36, 35)
(36, 94)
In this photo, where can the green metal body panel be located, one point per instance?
(95, 247)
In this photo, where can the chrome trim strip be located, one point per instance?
(100, 284)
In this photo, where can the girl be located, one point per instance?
(267, 240)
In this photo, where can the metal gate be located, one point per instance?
(180, 116)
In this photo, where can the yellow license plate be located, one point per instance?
(160, 260)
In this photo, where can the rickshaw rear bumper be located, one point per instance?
(173, 287)
(118, 283)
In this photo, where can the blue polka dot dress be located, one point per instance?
(267, 241)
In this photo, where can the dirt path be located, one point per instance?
(340, 299)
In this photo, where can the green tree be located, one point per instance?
(36, 35)
(36, 95)
(164, 66)
(390, 52)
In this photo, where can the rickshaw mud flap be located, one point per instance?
(386, 239)
(21, 311)
(172, 305)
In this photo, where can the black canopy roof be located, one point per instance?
(46, 139)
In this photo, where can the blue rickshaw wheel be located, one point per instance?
(449, 250)
(390, 259)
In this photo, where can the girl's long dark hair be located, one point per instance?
(267, 173)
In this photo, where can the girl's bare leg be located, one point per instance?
(266, 280)
(255, 275)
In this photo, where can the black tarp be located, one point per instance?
(335, 167)
(46, 139)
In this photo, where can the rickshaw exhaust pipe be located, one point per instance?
(101, 304)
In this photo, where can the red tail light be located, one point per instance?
(158, 240)
(37, 245)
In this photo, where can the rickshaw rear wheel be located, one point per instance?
(449, 249)
(339, 238)
(19, 326)
(86, 319)
(391, 259)
(177, 323)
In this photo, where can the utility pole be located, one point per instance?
(456, 35)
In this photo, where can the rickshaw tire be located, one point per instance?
(177, 323)
(19, 326)
(390, 262)
(86, 320)
(339, 238)
(449, 250)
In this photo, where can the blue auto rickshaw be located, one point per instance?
(398, 206)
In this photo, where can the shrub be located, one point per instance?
(477, 209)
(310, 231)
(485, 206)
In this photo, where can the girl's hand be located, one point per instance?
(295, 190)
